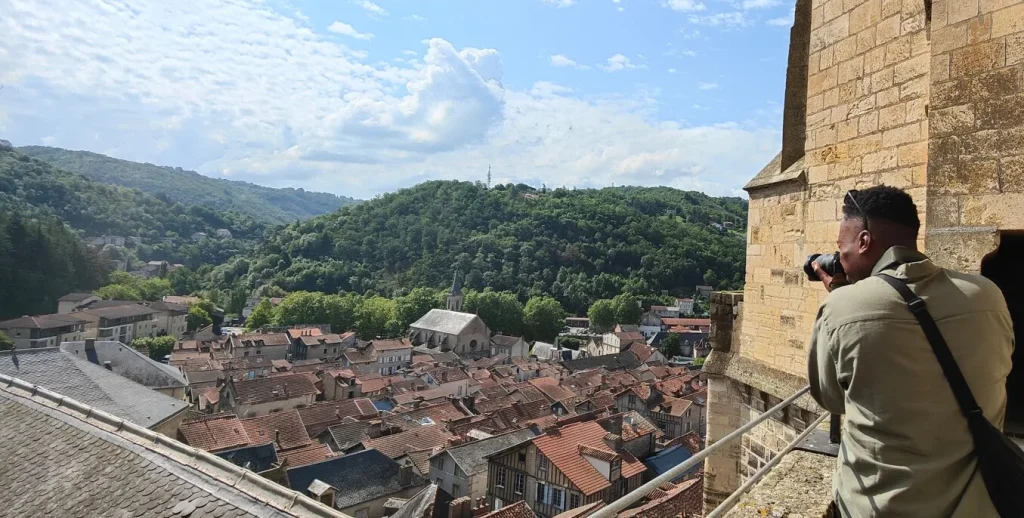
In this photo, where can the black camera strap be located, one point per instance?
(962, 391)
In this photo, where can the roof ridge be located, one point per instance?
(260, 489)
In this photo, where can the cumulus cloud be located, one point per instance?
(684, 5)
(372, 8)
(244, 91)
(759, 4)
(782, 21)
(620, 62)
(734, 19)
(559, 3)
(707, 86)
(347, 30)
(560, 60)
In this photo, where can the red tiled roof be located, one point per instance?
(686, 500)
(517, 510)
(304, 331)
(306, 455)
(398, 444)
(320, 416)
(264, 429)
(391, 345)
(597, 453)
(582, 511)
(561, 447)
(425, 395)
(550, 388)
(370, 386)
(692, 322)
(692, 441)
(276, 388)
(215, 432)
(439, 413)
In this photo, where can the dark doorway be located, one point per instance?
(1005, 267)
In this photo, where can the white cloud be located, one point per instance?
(707, 86)
(684, 5)
(408, 52)
(735, 19)
(560, 60)
(347, 30)
(689, 34)
(559, 3)
(415, 18)
(193, 90)
(372, 8)
(760, 4)
(671, 71)
(620, 62)
(782, 21)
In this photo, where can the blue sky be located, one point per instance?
(360, 97)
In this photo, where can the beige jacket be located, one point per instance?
(906, 448)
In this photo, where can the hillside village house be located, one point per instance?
(171, 319)
(310, 343)
(391, 355)
(119, 323)
(685, 307)
(462, 470)
(262, 396)
(566, 468)
(69, 302)
(511, 346)
(465, 334)
(44, 330)
(650, 323)
(268, 345)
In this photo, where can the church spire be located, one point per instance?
(455, 297)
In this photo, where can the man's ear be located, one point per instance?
(864, 241)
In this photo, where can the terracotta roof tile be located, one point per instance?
(391, 345)
(695, 322)
(275, 388)
(306, 455)
(582, 511)
(398, 444)
(686, 499)
(265, 429)
(517, 510)
(320, 416)
(215, 432)
(597, 453)
(561, 447)
(551, 389)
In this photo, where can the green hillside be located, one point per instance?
(174, 184)
(576, 245)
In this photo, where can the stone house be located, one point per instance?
(563, 469)
(464, 334)
(71, 301)
(122, 322)
(357, 484)
(311, 343)
(462, 470)
(925, 96)
(171, 319)
(272, 346)
(650, 323)
(511, 346)
(391, 355)
(262, 396)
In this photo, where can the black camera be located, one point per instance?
(829, 264)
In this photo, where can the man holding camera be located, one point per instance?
(906, 448)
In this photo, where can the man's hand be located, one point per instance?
(831, 281)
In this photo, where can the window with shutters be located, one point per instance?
(500, 480)
(574, 500)
(519, 484)
(556, 497)
(542, 491)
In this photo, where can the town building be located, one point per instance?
(71, 301)
(44, 330)
(119, 322)
(510, 346)
(309, 343)
(261, 396)
(465, 334)
(129, 363)
(391, 355)
(462, 470)
(272, 346)
(685, 307)
(171, 318)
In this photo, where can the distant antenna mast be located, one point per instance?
(488, 176)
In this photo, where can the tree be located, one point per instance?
(155, 289)
(418, 302)
(710, 278)
(264, 314)
(699, 362)
(302, 307)
(184, 281)
(602, 315)
(156, 347)
(501, 311)
(119, 292)
(237, 299)
(6, 344)
(627, 309)
(670, 345)
(373, 317)
(543, 318)
(341, 311)
(197, 318)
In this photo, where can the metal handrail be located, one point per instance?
(613, 509)
(728, 503)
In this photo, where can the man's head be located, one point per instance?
(875, 220)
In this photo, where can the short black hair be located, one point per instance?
(883, 202)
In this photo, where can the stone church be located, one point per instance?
(450, 329)
(925, 95)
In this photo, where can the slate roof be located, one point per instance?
(347, 435)
(505, 341)
(42, 322)
(257, 458)
(259, 339)
(75, 297)
(319, 416)
(618, 361)
(277, 388)
(561, 447)
(519, 509)
(398, 444)
(543, 350)
(215, 432)
(284, 429)
(169, 307)
(439, 413)
(127, 362)
(448, 374)
(471, 457)
(306, 455)
(99, 466)
(358, 477)
(431, 502)
(126, 311)
(91, 384)
(670, 458)
(444, 321)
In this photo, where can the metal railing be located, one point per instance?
(613, 509)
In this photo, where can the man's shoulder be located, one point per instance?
(868, 299)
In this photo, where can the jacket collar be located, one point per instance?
(906, 261)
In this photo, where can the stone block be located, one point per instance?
(846, 48)
(822, 81)
(832, 9)
(892, 116)
(952, 120)
(915, 88)
(831, 33)
(917, 109)
(914, 24)
(1008, 21)
(912, 154)
(1015, 49)
(988, 6)
(920, 175)
(904, 134)
(881, 80)
(865, 40)
(942, 151)
(851, 69)
(1004, 211)
(1000, 83)
(868, 123)
(950, 93)
(940, 67)
(1011, 174)
(888, 97)
(949, 38)
(911, 68)
(874, 59)
(898, 50)
(979, 29)
(861, 107)
(887, 30)
(960, 248)
(943, 211)
(1001, 112)
(884, 159)
(865, 15)
(901, 178)
(830, 99)
(977, 177)
(890, 7)
(847, 130)
(978, 58)
(960, 10)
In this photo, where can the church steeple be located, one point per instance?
(455, 297)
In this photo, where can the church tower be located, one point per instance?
(455, 297)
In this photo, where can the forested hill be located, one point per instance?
(577, 245)
(174, 184)
(35, 189)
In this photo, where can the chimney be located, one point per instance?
(405, 474)
(90, 344)
(108, 366)
(460, 507)
(277, 438)
(481, 508)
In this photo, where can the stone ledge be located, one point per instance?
(800, 486)
(760, 376)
